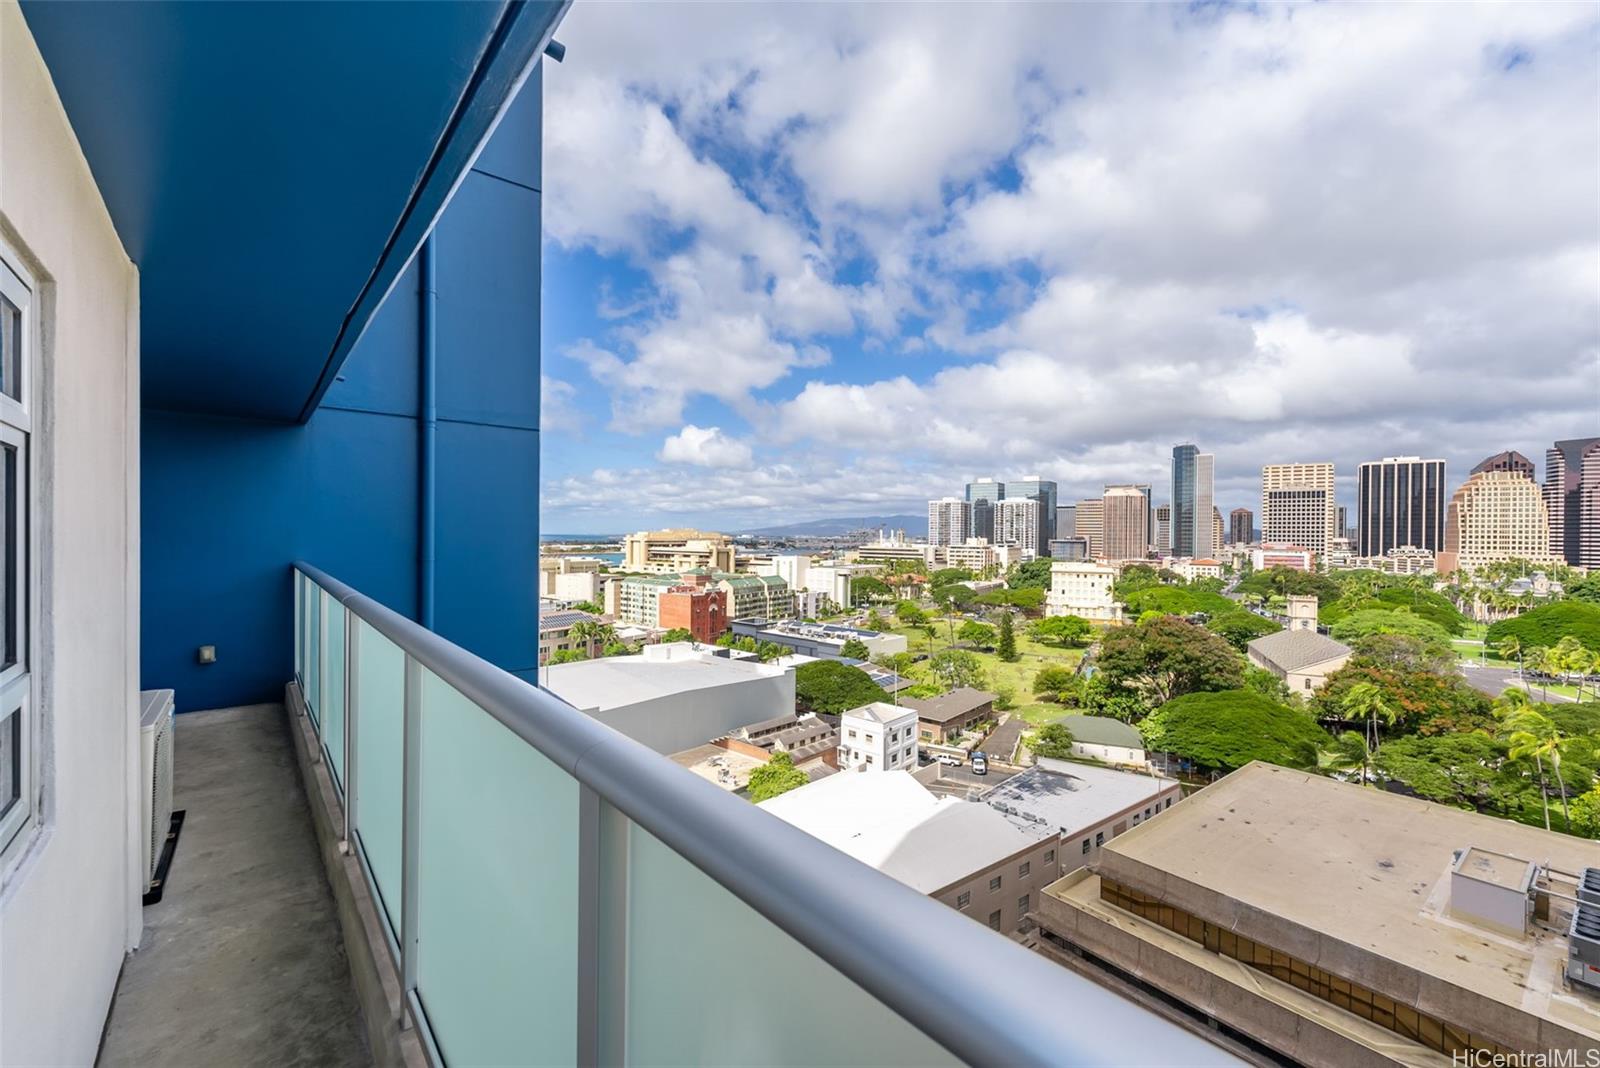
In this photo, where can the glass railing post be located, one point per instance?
(602, 930)
(351, 698)
(410, 826)
(299, 629)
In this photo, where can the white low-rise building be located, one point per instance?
(570, 578)
(1086, 806)
(673, 696)
(878, 737)
(1106, 739)
(1082, 588)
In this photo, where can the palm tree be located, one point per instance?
(594, 633)
(1570, 658)
(1531, 733)
(1511, 649)
(1538, 659)
(1351, 753)
(1365, 702)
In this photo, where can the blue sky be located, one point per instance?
(806, 261)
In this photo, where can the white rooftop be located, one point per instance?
(1063, 797)
(673, 667)
(889, 820)
(880, 712)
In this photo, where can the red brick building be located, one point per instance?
(697, 608)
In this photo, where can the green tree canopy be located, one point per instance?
(977, 633)
(1028, 598)
(1452, 769)
(1548, 625)
(910, 613)
(1167, 657)
(1284, 581)
(855, 649)
(1006, 647)
(1177, 601)
(1061, 630)
(953, 593)
(832, 687)
(1426, 702)
(678, 634)
(1030, 573)
(568, 656)
(1586, 589)
(1386, 621)
(1053, 681)
(864, 588)
(1052, 740)
(955, 668)
(776, 776)
(1239, 628)
(946, 575)
(1230, 728)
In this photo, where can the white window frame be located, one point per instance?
(19, 682)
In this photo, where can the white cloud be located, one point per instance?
(704, 447)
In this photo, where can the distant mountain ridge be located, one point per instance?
(915, 525)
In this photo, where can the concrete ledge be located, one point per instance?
(392, 1041)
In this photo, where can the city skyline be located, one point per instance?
(845, 301)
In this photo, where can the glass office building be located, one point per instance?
(1402, 503)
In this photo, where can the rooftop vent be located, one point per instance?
(1589, 886)
(1492, 890)
(1583, 944)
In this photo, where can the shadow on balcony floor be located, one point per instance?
(242, 962)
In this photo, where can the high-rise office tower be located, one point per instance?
(1496, 515)
(1572, 497)
(1193, 532)
(1342, 523)
(1163, 538)
(1401, 503)
(1511, 461)
(1298, 507)
(1016, 522)
(1241, 526)
(1218, 532)
(982, 495)
(1125, 521)
(1034, 488)
(1066, 521)
(1089, 525)
(949, 521)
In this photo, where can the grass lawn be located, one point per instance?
(1017, 676)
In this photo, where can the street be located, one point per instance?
(1496, 680)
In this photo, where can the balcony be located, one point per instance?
(550, 891)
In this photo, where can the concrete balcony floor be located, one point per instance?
(242, 961)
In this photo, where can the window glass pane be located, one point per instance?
(9, 557)
(10, 348)
(10, 761)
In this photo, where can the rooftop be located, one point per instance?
(889, 820)
(1102, 730)
(1292, 650)
(879, 712)
(562, 620)
(669, 668)
(953, 705)
(1063, 798)
(1368, 869)
(725, 768)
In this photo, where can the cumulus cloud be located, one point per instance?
(704, 447)
(889, 243)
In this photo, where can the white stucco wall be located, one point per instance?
(674, 722)
(68, 907)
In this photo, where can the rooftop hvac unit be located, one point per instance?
(1589, 886)
(155, 760)
(1583, 946)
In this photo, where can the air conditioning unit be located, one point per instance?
(155, 761)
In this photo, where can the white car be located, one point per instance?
(947, 759)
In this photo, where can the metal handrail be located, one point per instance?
(909, 951)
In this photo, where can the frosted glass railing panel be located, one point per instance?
(313, 694)
(713, 982)
(497, 889)
(377, 807)
(333, 691)
(300, 583)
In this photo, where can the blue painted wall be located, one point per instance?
(227, 503)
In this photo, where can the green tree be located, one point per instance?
(1239, 628)
(1548, 625)
(618, 648)
(1061, 630)
(1452, 769)
(1350, 752)
(1166, 658)
(899, 663)
(592, 607)
(1230, 728)
(952, 595)
(767, 651)
(1586, 589)
(1529, 732)
(1265, 683)
(678, 634)
(593, 633)
(1030, 573)
(1053, 681)
(946, 575)
(833, 687)
(865, 588)
(1372, 621)
(567, 656)
(1052, 740)
(955, 668)
(1364, 703)
(1586, 814)
(1007, 650)
(855, 649)
(910, 613)
(776, 776)
(980, 634)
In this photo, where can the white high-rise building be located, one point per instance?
(949, 521)
(1016, 522)
(1298, 506)
(1495, 516)
(1125, 519)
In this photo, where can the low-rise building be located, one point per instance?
(878, 737)
(1302, 658)
(974, 554)
(673, 696)
(1189, 570)
(895, 547)
(962, 853)
(1333, 925)
(825, 640)
(570, 578)
(555, 634)
(1278, 555)
(1082, 589)
(699, 609)
(1084, 805)
(672, 552)
(1106, 739)
(948, 715)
